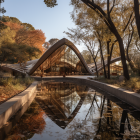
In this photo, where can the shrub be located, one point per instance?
(133, 83)
(16, 81)
(3, 82)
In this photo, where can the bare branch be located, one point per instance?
(128, 22)
(130, 39)
(112, 6)
(112, 48)
(98, 10)
(108, 13)
(138, 48)
(97, 53)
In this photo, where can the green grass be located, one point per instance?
(133, 84)
(17, 83)
(10, 87)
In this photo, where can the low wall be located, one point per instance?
(129, 97)
(10, 107)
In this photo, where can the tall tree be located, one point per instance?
(34, 38)
(95, 30)
(105, 9)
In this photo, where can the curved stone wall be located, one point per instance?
(11, 106)
(129, 97)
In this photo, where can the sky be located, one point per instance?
(52, 21)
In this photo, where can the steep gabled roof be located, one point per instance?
(58, 44)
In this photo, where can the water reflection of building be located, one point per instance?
(61, 101)
(100, 118)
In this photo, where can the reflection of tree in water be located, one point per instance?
(30, 123)
(107, 120)
(112, 123)
(84, 129)
(103, 120)
(61, 101)
(116, 123)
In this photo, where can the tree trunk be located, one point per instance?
(108, 59)
(122, 123)
(137, 15)
(94, 61)
(131, 63)
(121, 46)
(96, 67)
(109, 111)
(103, 59)
(113, 29)
(101, 113)
(123, 59)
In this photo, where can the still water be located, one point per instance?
(65, 111)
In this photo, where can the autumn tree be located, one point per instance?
(9, 28)
(46, 45)
(6, 34)
(35, 38)
(28, 26)
(50, 3)
(10, 19)
(52, 41)
(87, 56)
(105, 11)
(23, 33)
(18, 47)
(19, 53)
(92, 29)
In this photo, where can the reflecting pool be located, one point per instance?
(65, 111)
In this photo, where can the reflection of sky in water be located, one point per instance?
(70, 102)
(81, 124)
(85, 124)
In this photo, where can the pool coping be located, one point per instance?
(11, 106)
(127, 96)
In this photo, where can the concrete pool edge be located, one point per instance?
(11, 106)
(127, 96)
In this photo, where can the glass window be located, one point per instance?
(63, 61)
